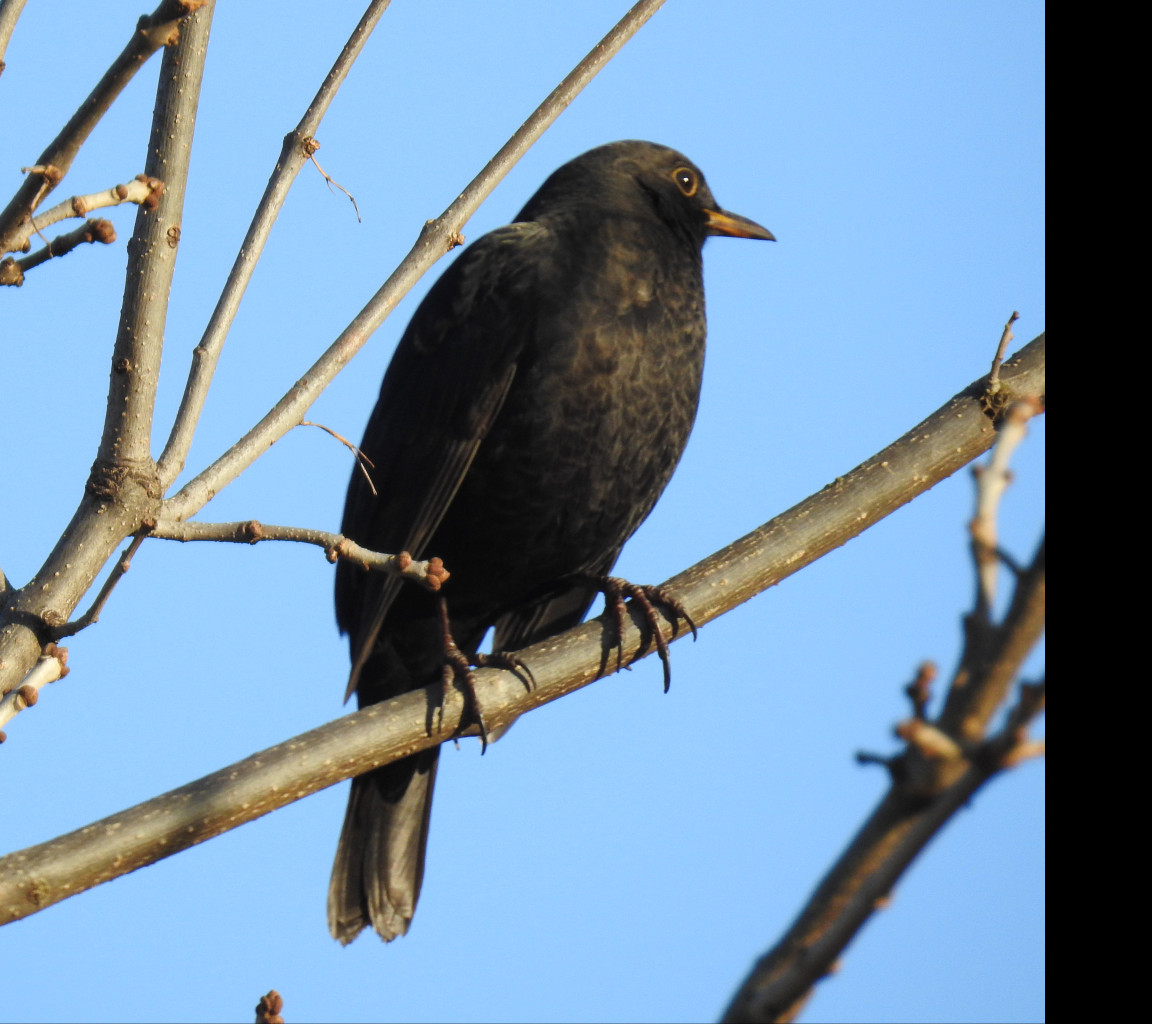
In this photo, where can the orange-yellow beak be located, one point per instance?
(720, 222)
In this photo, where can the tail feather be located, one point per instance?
(380, 860)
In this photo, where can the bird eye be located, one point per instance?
(686, 180)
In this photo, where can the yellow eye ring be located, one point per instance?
(686, 180)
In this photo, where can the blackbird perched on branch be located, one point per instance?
(533, 412)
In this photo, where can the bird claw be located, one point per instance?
(458, 670)
(510, 663)
(647, 598)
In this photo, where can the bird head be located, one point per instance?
(634, 178)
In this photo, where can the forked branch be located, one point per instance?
(943, 764)
(152, 32)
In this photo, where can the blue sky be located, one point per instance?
(622, 854)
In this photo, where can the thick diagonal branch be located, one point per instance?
(36, 877)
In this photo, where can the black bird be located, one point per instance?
(532, 414)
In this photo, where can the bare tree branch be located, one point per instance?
(363, 463)
(429, 573)
(92, 616)
(993, 482)
(436, 238)
(151, 32)
(12, 271)
(125, 447)
(9, 14)
(943, 765)
(121, 491)
(141, 190)
(293, 155)
(1005, 341)
(52, 665)
(38, 876)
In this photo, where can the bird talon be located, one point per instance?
(458, 671)
(647, 597)
(510, 663)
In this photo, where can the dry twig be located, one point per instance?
(429, 573)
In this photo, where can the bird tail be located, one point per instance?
(380, 860)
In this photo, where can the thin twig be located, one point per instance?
(1005, 340)
(992, 655)
(52, 665)
(991, 482)
(434, 242)
(333, 182)
(430, 573)
(293, 156)
(362, 460)
(151, 32)
(99, 230)
(92, 616)
(142, 190)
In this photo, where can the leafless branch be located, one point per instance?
(92, 616)
(9, 14)
(53, 665)
(992, 482)
(429, 573)
(142, 190)
(151, 32)
(363, 463)
(126, 442)
(121, 489)
(1005, 341)
(435, 239)
(99, 230)
(332, 182)
(36, 877)
(942, 766)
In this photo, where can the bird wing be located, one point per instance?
(446, 383)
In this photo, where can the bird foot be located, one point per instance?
(652, 601)
(458, 670)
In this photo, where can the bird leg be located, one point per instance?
(458, 669)
(647, 597)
